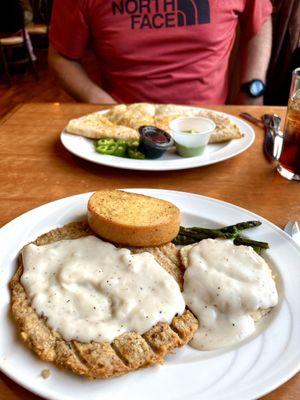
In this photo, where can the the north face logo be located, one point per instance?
(193, 12)
(157, 14)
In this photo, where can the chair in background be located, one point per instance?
(41, 17)
(13, 36)
(37, 29)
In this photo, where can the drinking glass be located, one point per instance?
(289, 160)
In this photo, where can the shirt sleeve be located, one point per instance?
(255, 14)
(69, 32)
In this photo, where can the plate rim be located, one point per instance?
(153, 191)
(107, 161)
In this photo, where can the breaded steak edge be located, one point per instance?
(128, 352)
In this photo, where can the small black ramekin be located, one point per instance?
(154, 141)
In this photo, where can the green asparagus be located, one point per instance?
(240, 226)
(183, 240)
(248, 242)
(196, 234)
(205, 233)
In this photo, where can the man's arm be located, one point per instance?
(75, 81)
(255, 61)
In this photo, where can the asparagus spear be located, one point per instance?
(240, 226)
(205, 233)
(230, 232)
(248, 242)
(196, 234)
(183, 240)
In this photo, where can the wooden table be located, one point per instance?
(36, 169)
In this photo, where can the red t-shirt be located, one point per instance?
(158, 50)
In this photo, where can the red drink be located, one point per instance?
(290, 154)
(289, 161)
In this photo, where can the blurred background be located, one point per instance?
(25, 76)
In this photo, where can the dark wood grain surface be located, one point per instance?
(36, 169)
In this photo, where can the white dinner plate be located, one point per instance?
(85, 148)
(246, 371)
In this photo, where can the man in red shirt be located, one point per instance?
(161, 51)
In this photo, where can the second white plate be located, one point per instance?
(246, 371)
(84, 148)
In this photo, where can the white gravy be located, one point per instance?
(90, 290)
(223, 285)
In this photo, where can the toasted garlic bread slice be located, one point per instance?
(128, 352)
(132, 219)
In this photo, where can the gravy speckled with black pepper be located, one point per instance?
(223, 285)
(89, 290)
